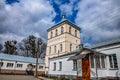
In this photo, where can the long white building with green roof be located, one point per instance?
(13, 64)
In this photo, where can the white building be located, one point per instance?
(104, 63)
(13, 64)
(60, 66)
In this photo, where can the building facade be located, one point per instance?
(60, 66)
(63, 37)
(63, 40)
(12, 64)
(107, 66)
(104, 64)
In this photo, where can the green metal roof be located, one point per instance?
(107, 43)
(62, 22)
(9, 57)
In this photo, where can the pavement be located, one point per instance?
(43, 78)
(20, 77)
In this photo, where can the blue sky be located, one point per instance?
(99, 20)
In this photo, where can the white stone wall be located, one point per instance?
(24, 66)
(107, 72)
(67, 67)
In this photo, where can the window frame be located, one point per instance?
(1, 64)
(60, 47)
(97, 59)
(55, 49)
(51, 34)
(92, 63)
(62, 30)
(10, 65)
(56, 32)
(19, 65)
(70, 29)
(50, 49)
(102, 63)
(70, 47)
(74, 65)
(75, 33)
(41, 67)
(60, 66)
(112, 63)
(54, 66)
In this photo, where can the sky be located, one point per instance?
(99, 20)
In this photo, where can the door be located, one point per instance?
(86, 68)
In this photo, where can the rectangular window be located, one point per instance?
(75, 33)
(97, 59)
(19, 65)
(54, 49)
(54, 66)
(61, 47)
(1, 64)
(51, 34)
(113, 61)
(103, 61)
(49, 49)
(56, 32)
(74, 65)
(40, 67)
(33, 66)
(60, 66)
(10, 65)
(70, 47)
(62, 30)
(92, 61)
(70, 30)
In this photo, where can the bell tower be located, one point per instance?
(63, 38)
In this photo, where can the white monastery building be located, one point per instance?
(13, 64)
(66, 57)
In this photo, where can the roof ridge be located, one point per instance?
(112, 41)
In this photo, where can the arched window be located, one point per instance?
(70, 47)
(55, 49)
(75, 33)
(70, 30)
(51, 34)
(62, 30)
(61, 47)
(56, 32)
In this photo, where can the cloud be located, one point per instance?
(69, 8)
(18, 20)
(99, 19)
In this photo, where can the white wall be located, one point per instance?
(67, 67)
(113, 49)
(24, 66)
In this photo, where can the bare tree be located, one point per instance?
(32, 44)
(36, 47)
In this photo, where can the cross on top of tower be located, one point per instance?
(63, 16)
